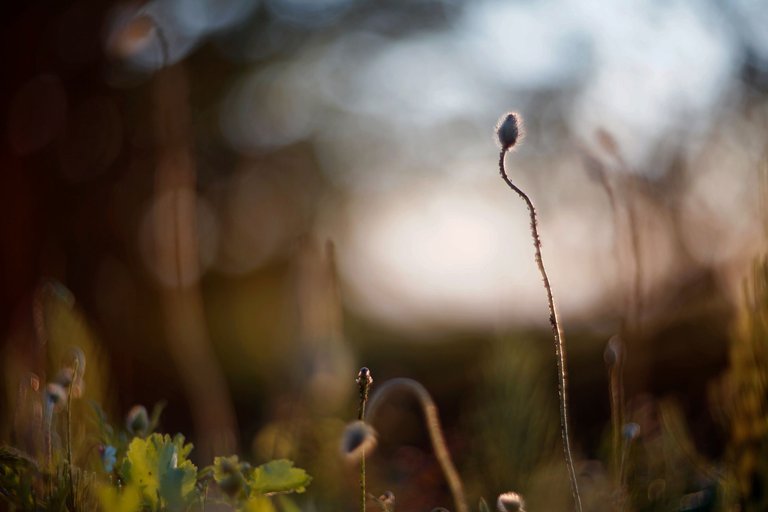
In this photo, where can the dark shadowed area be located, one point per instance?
(233, 205)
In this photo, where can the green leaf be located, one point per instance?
(228, 474)
(287, 504)
(127, 500)
(278, 476)
(258, 504)
(158, 465)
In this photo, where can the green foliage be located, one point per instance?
(278, 476)
(16, 477)
(251, 487)
(228, 473)
(143, 474)
(159, 467)
(127, 499)
(259, 504)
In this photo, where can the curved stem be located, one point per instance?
(562, 384)
(432, 421)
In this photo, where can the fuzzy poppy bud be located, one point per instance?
(137, 420)
(358, 439)
(364, 377)
(56, 395)
(630, 431)
(387, 498)
(510, 502)
(508, 130)
(613, 351)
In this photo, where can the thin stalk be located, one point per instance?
(48, 441)
(562, 384)
(72, 489)
(432, 421)
(364, 382)
(637, 285)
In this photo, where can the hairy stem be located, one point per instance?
(562, 384)
(364, 381)
(432, 421)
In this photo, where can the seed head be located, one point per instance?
(508, 130)
(358, 439)
(510, 502)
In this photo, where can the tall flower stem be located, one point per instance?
(364, 382)
(72, 488)
(562, 384)
(432, 421)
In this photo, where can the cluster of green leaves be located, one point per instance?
(144, 471)
(155, 474)
(251, 488)
(17, 471)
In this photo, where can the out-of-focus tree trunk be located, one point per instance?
(176, 252)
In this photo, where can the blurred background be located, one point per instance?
(241, 202)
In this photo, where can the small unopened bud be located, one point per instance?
(630, 431)
(364, 377)
(508, 130)
(137, 420)
(613, 351)
(56, 395)
(386, 501)
(358, 439)
(510, 502)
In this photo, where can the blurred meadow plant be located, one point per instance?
(71, 458)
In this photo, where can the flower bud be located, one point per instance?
(137, 420)
(388, 497)
(508, 130)
(364, 377)
(510, 502)
(613, 351)
(358, 439)
(56, 395)
(630, 431)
